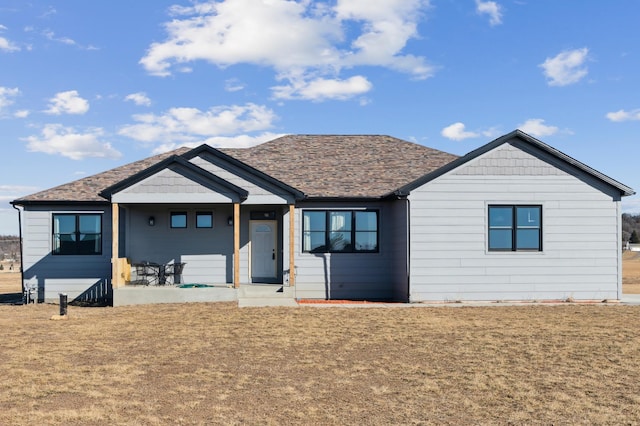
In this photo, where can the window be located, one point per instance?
(178, 220)
(515, 228)
(204, 220)
(340, 231)
(79, 234)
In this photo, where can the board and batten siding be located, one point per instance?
(86, 277)
(450, 260)
(345, 275)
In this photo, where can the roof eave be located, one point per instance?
(23, 202)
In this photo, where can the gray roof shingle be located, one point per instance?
(338, 166)
(88, 188)
(325, 166)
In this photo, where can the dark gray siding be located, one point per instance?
(347, 275)
(207, 252)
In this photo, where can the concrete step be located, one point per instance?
(265, 295)
(265, 291)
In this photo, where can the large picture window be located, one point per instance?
(79, 234)
(515, 228)
(340, 231)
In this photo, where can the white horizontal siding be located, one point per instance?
(449, 256)
(74, 275)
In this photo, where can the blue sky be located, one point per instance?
(86, 86)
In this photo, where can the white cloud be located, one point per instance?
(23, 113)
(292, 37)
(64, 40)
(566, 67)
(11, 192)
(240, 141)
(457, 132)
(323, 89)
(6, 96)
(536, 127)
(190, 125)
(139, 98)
(233, 85)
(622, 115)
(491, 8)
(7, 45)
(66, 141)
(67, 103)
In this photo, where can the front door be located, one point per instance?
(263, 250)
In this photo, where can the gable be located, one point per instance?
(176, 184)
(520, 154)
(260, 190)
(509, 159)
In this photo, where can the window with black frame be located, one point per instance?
(340, 231)
(515, 228)
(77, 234)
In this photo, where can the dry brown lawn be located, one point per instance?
(217, 364)
(631, 272)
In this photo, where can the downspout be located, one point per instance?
(408, 210)
(20, 242)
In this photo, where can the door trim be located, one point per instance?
(257, 279)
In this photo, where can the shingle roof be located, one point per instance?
(326, 166)
(343, 165)
(87, 189)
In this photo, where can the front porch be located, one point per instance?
(226, 224)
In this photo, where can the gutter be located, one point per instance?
(20, 242)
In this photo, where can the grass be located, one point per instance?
(217, 364)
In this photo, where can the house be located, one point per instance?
(332, 217)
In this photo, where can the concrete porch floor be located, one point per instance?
(247, 295)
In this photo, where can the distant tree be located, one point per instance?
(634, 239)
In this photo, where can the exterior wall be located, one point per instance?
(399, 226)
(207, 252)
(80, 277)
(580, 225)
(346, 275)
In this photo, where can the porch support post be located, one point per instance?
(115, 265)
(236, 245)
(292, 265)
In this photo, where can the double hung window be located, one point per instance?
(515, 228)
(77, 233)
(340, 231)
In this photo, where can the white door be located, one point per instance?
(263, 249)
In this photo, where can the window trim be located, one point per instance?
(204, 213)
(77, 233)
(176, 213)
(514, 228)
(326, 248)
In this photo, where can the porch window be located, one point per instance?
(515, 228)
(178, 220)
(340, 231)
(77, 234)
(204, 220)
